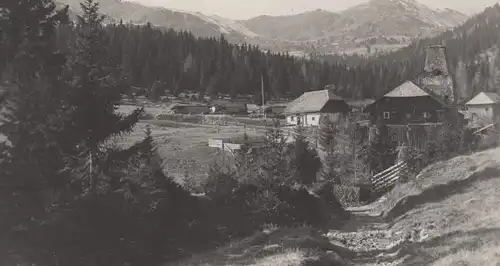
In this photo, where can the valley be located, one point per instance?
(152, 136)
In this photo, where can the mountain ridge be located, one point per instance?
(377, 22)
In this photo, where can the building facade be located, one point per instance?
(311, 107)
(483, 109)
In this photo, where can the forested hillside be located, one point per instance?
(471, 48)
(182, 62)
(178, 61)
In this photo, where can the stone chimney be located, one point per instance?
(435, 76)
(435, 60)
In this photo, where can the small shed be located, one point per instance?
(311, 106)
(484, 107)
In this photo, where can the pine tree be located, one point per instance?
(275, 158)
(328, 132)
(94, 97)
(31, 106)
(31, 118)
(305, 161)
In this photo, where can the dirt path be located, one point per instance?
(370, 237)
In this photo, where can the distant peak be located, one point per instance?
(413, 2)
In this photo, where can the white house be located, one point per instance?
(313, 105)
(484, 106)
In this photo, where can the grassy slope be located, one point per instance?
(447, 216)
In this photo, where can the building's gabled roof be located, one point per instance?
(311, 102)
(484, 98)
(407, 89)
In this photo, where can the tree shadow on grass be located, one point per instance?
(427, 252)
(440, 192)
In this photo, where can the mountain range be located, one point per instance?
(377, 25)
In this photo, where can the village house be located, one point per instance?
(312, 106)
(483, 109)
(407, 104)
(190, 109)
(418, 107)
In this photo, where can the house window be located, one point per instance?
(486, 109)
(313, 118)
(292, 118)
(387, 115)
(426, 115)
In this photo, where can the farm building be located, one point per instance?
(417, 109)
(410, 111)
(407, 104)
(190, 109)
(309, 108)
(483, 108)
(230, 108)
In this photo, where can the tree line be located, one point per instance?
(157, 61)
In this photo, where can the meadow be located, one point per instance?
(183, 143)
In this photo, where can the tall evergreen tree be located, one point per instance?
(31, 116)
(327, 140)
(305, 161)
(94, 97)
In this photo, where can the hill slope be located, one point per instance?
(447, 216)
(382, 22)
(199, 24)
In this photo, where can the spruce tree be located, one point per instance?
(327, 134)
(305, 161)
(94, 97)
(31, 118)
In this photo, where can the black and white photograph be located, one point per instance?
(259, 133)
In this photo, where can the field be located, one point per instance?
(183, 139)
(184, 147)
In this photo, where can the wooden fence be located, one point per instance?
(391, 175)
(388, 177)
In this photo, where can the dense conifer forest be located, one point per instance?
(178, 62)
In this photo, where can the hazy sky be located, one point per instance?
(243, 9)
